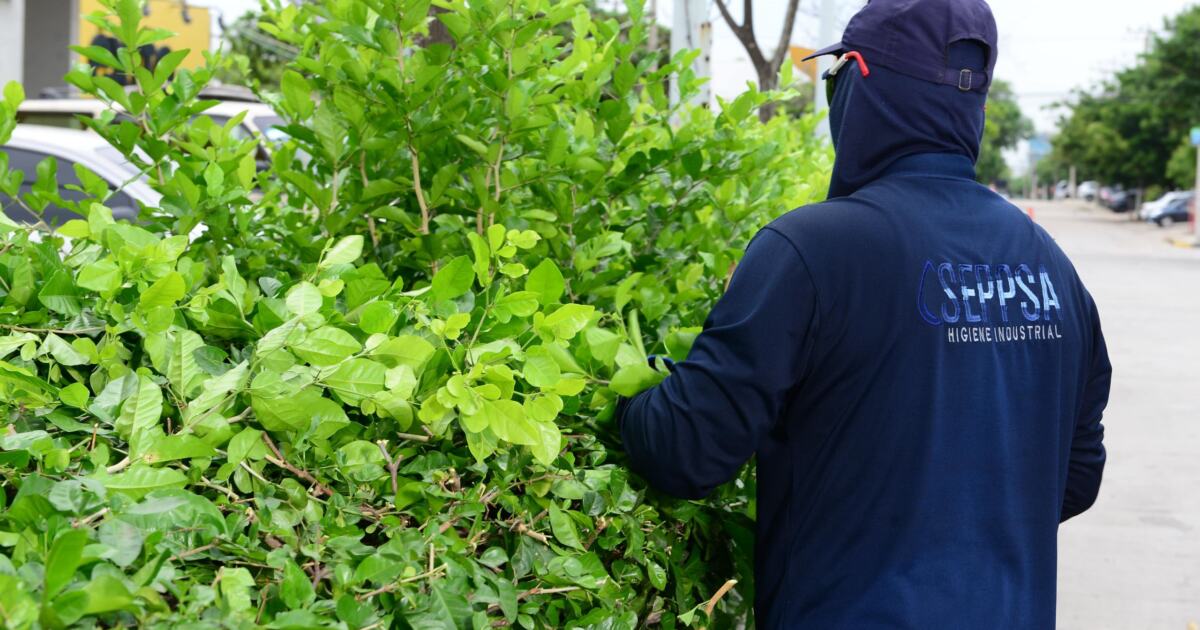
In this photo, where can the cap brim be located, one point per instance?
(832, 49)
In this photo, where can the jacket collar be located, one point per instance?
(939, 164)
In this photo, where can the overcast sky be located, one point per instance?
(1047, 47)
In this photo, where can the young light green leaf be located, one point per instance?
(357, 378)
(296, 588)
(377, 317)
(631, 380)
(61, 295)
(304, 299)
(327, 345)
(215, 392)
(102, 276)
(75, 395)
(182, 370)
(246, 444)
(175, 447)
(345, 251)
(107, 593)
(141, 479)
(165, 292)
(141, 411)
(454, 279)
(482, 258)
(549, 443)
(62, 351)
(297, 94)
(540, 369)
(568, 320)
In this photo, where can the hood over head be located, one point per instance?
(878, 119)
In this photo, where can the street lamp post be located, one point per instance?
(691, 29)
(828, 23)
(1195, 213)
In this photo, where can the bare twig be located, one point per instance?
(712, 603)
(387, 588)
(416, 173)
(191, 552)
(84, 522)
(413, 437)
(393, 465)
(522, 528)
(279, 460)
(57, 331)
(119, 466)
(537, 590)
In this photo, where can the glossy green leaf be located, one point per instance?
(327, 346)
(564, 528)
(632, 380)
(454, 279)
(346, 250)
(66, 554)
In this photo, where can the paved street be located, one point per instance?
(1133, 561)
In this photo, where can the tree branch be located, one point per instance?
(785, 38)
(744, 32)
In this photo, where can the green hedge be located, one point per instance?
(376, 390)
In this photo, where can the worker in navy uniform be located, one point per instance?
(914, 363)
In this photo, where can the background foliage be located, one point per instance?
(370, 386)
(1006, 127)
(1133, 130)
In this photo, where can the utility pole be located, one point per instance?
(691, 29)
(828, 24)
(1195, 213)
(653, 37)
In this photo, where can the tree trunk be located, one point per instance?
(438, 33)
(766, 68)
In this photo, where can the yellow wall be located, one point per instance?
(807, 67)
(168, 14)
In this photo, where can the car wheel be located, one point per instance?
(1166, 221)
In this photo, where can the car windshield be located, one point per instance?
(270, 128)
(114, 157)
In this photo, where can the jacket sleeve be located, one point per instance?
(694, 430)
(1087, 445)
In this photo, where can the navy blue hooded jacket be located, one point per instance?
(920, 373)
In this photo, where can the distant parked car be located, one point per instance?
(1088, 191)
(1151, 208)
(1062, 190)
(1177, 211)
(31, 144)
(1120, 200)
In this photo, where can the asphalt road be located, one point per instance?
(1133, 560)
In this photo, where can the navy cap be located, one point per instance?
(913, 37)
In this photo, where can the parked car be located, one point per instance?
(260, 120)
(1177, 211)
(1062, 190)
(71, 148)
(1151, 208)
(1088, 191)
(1119, 199)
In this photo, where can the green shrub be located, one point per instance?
(377, 390)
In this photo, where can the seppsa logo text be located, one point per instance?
(976, 303)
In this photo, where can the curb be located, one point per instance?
(1182, 243)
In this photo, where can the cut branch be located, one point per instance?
(279, 460)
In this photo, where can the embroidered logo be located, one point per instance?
(977, 303)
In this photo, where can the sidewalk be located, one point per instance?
(1133, 561)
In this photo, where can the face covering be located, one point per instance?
(878, 119)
